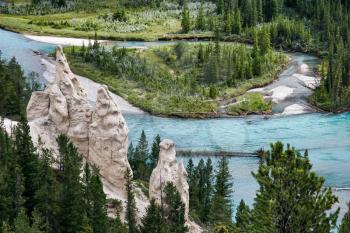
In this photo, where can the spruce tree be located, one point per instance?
(345, 224)
(153, 221)
(207, 191)
(71, 193)
(140, 162)
(86, 227)
(291, 197)
(185, 19)
(118, 226)
(221, 202)
(175, 210)
(130, 204)
(154, 156)
(47, 194)
(200, 22)
(29, 163)
(97, 207)
(243, 217)
(220, 7)
(22, 223)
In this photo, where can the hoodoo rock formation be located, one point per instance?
(169, 170)
(99, 132)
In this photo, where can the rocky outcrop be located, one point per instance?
(99, 132)
(169, 170)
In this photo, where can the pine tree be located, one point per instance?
(220, 7)
(118, 226)
(21, 223)
(243, 217)
(265, 43)
(185, 19)
(47, 194)
(97, 207)
(140, 162)
(175, 210)
(11, 180)
(289, 189)
(237, 23)
(153, 221)
(200, 22)
(256, 57)
(345, 224)
(29, 163)
(130, 204)
(207, 192)
(86, 227)
(71, 194)
(155, 152)
(221, 202)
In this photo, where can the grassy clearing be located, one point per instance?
(250, 103)
(138, 24)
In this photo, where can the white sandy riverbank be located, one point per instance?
(65, 41)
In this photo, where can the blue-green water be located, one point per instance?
(15, 45)
(326, 136)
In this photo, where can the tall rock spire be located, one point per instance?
(169, 170)
(99, 132)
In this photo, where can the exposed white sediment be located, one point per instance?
(60, 40)
(295, 109)
(280, 93)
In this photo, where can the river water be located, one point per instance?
(326, 136)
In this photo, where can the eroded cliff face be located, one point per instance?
(169, 170)
(99, 132)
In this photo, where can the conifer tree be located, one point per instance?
(86, 227)
(153, 221)
(345, 224)
(243, 217)
(71, 194)
(256, 57)
(221, 202)
(185, 18)
(140, 162)
(155, 152)
(289, 190)
(237, 23)
(29, 163)
(21, 223)
(200, 22)
(118, 226)
(175, 210)
(207, 192)
(220, 7)
(97, 207)
(130, 204)
(47, 194)
(265, 42)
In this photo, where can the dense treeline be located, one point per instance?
(40, 193)
(141, 160)
(288, 190)
(320, 26)
(44, 7)
(15, 88)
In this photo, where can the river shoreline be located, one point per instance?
(296, 110)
